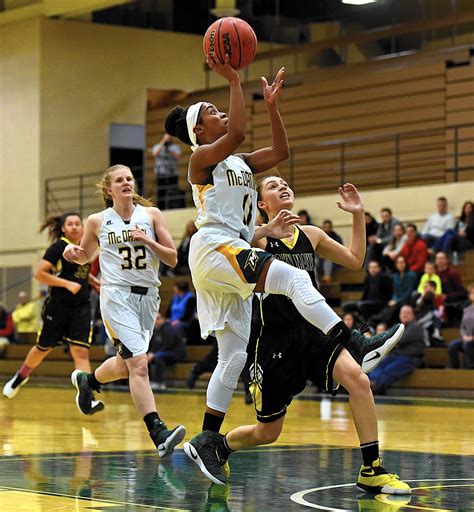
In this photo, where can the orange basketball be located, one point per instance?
(233, 36)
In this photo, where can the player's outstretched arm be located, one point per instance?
(266, 158)
(207, 156)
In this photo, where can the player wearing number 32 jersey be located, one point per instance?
(132, 238)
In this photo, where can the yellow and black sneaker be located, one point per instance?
(376, 479)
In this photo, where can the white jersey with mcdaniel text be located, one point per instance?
(124, 262)
(229, 197)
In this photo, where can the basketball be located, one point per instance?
(234, 37)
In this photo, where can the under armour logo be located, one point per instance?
(50, 318)
(108, 223)
(251, 260)
(277, 354)
(274, 244)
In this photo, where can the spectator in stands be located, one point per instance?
(463, 238)
(404, 358)
(326, 267)
(393, 247)
(305, 218)
(466, 342)
(376, 294)
(430, 275)
(437, 225)
(25, 318)
(182, 308)
(167, 347)
(429, 311)
(382, 236)
(404, 283)
(454, 293)
(167, 155)
(371, 226)
(414, 250)
(6, 329)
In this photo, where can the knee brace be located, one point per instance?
(232, 370)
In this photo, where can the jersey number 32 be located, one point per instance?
(131, 261)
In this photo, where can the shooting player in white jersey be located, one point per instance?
(224, 267)
(133, 238)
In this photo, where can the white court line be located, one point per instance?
(298, 497)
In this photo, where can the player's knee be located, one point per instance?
(340, 333)
(140, 368)
(358, 382)
(232, 370)
(79, 353)
(268, 433)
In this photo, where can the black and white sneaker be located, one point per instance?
(84, 396)
(165, 440)
(203, 450)
(378, 346)
(11, 388)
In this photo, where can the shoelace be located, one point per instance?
(365, 327)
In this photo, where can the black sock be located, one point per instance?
(370, 452)
(212, 422)
(224, 448)
(150, 420)
(340, 333)
(93, 382)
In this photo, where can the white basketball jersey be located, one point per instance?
(229, 197)
(122, 261)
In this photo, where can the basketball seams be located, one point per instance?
(239, 43)
(221, 55)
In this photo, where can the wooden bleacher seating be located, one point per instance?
(434, 379)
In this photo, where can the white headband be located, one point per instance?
(191, 121)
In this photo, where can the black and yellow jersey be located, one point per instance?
(299, 253)
(66, 270)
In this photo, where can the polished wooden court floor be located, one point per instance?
(54, 459)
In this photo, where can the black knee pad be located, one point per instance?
(340, 333)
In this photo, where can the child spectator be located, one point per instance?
(430, 275)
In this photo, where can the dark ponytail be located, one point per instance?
(55, 223)
(175, 124)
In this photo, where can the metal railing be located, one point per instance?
(394, 160)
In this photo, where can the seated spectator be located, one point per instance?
(305, 218)
(25, 318)
(466, 342)
(6, 329)
(437, 225)
(430, 275)
(454, 293)
(167, 347)
(382, 236)
(404, 358)
(463, 239)
(371, 226)
(182, 308)
(394, 246)
(429, 311)
(414, 250)
(376, 294)
(404, 283)
(326, 267)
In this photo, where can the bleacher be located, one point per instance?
(435, 379)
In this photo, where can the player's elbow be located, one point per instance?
(173, 260)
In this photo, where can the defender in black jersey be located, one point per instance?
(66, 313)
(286, 351)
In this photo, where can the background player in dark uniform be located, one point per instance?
(66, 312)
(285, 350)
